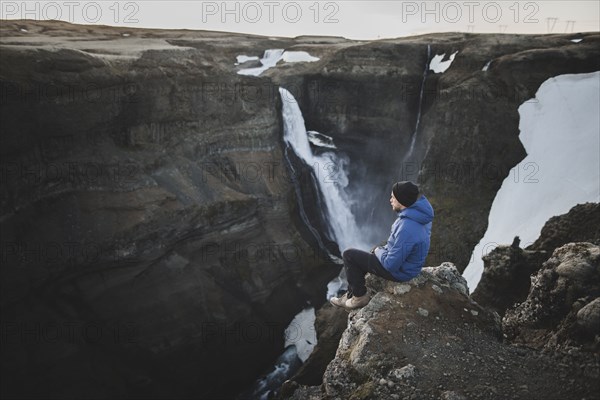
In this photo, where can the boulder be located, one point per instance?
(549, 318)
(395, 343)
(580, 224)
(588, 318)
(506, 275)
(505, 281)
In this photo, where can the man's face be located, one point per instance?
(396, 206)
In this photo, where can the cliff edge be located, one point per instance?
(427, 339)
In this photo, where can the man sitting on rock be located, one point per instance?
(402, 258)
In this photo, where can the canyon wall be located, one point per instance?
(151, 238)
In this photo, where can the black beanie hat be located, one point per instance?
(406, 193)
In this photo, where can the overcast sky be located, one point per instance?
(352, 19)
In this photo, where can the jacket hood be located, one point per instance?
(421, 211)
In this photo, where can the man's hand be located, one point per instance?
(375, 248)
(382, 245)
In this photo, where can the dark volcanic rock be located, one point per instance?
(588, 318)
(549, 318)
(148, 248)
(507, 269)
(580, 224)
(506, 277)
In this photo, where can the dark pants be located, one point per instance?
(357, 264)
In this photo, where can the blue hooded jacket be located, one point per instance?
(407, 247)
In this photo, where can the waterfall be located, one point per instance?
(303, 215)
(414, 135)
(330, 172)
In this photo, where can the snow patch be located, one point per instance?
(301, 333)
(243, 58)
(273, 56)
(559, 130)
(576, 40)
(438, 66)
(486, 66)
(269, 60)
(298, 56)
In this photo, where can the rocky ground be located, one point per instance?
(506, 280)
(428, 340)
(563, 305)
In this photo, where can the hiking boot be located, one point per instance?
(357, 302)
(339, 301)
